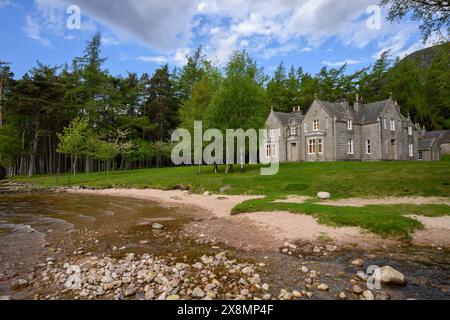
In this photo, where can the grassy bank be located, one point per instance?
(342, 180)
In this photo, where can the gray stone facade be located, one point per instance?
(340, 132)
(434, 145)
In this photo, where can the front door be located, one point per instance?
(294, 152)
(393, 150)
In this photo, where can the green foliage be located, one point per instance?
(241, 101)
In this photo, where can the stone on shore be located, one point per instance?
(391, 276)
(157, 226)
(324, 195)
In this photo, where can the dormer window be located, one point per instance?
(272, 133)
(316, 125)
(293, 130)
(350, 125)
(392, 125)
(410, 130)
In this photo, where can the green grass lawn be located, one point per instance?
(342, 180)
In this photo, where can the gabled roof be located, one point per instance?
(337, 110)
(371, 112)
(441, 136)
(285, 118)
(426, 144)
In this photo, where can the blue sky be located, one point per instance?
(140, 35)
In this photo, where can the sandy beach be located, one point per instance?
(269, 230)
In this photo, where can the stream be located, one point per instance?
(43, 230)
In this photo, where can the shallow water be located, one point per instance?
(34, 227)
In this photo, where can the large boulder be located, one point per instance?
(391, 276)
(2, 172)
(324, 195)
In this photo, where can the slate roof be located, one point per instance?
(285, 118)
(426, 144)
(369, 113)
(441, 136)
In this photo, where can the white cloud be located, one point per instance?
(153, 59)
(340, 63)
(33, 31)
(265, 27)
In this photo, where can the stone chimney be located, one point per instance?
(358, 103)
(297, 109)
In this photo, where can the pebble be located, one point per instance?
(198, 293)
(358, 262)
(368, 295)
(157, 226)
(342, 296)
(357, 290)
(323, 287)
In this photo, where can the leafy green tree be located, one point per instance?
(107, 152)
(74, 140)
(241, 101)
(161, 107)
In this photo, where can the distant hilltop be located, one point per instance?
(424, 57)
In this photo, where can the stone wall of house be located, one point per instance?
(445, 149)
(335, 135)
(371, 132)
(274, 123)
(325, 132)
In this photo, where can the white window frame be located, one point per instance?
(316, 125)
(350, 146)
(411, 150)
(272, 133)
(293, 130)
(385, 123)
(350, 125)
(392, 125)
(410, 130)
(368, 147)
(268, 150)
(319, 146)
(312, 148)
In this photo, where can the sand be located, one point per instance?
(268, 230)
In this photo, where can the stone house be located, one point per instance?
(341, 132)
(434, 145)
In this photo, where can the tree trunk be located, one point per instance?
(74, 166)
(32, 164)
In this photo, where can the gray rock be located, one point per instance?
(357, 290)
(382, 296)
(19, 284)
(129, 291)
(198, 293)
(157, 226)
(368, 295)
(323, 287)
(324, 195)
(357, 263)
(391, 276)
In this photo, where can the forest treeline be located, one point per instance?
(79, 117)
